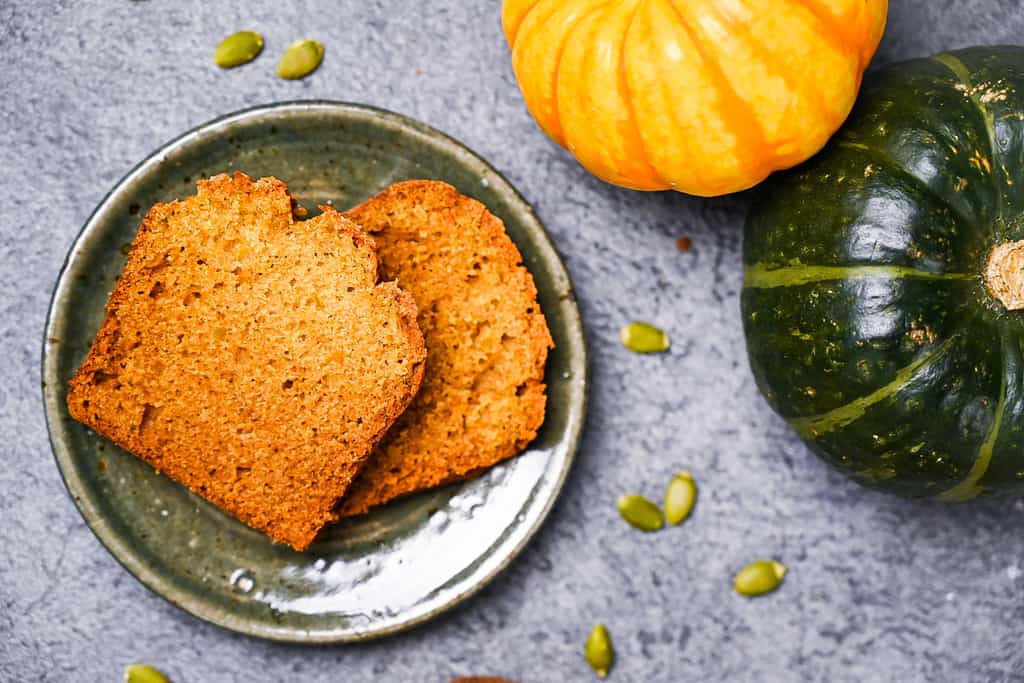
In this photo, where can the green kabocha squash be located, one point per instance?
(883, 295)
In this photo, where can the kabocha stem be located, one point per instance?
(1004, 274)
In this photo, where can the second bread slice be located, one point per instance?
(483, 393)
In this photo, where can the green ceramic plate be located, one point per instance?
(367, 577)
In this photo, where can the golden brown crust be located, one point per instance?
(255, 359)
(483, 396)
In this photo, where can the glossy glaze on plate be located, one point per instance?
(367, 576)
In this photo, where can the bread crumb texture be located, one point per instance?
(254, 358)
(483, 395)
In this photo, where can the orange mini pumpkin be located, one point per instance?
(702, 96)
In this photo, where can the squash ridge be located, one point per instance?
(759, 276)
(812, 93)
(963, 74)
(969, 488)
(829, 28)
(752, 134)
(634, 120)
(880, 156)
(557, 75)
(818, 425)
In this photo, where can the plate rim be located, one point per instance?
(154, 581)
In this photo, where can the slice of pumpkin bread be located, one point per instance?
(254, 358)
(483, 394)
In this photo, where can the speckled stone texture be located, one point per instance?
(879, 589)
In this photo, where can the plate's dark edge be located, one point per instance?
(576, 330)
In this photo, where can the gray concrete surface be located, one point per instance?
(879, 590)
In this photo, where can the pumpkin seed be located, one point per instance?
(237, 49)
(644, 338)
(598, 650)
(760, 577)
(680, 495)
(300, 59)
(640, 512)
(144, 673)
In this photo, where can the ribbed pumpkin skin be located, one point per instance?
(869, 325)
(702, 96)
